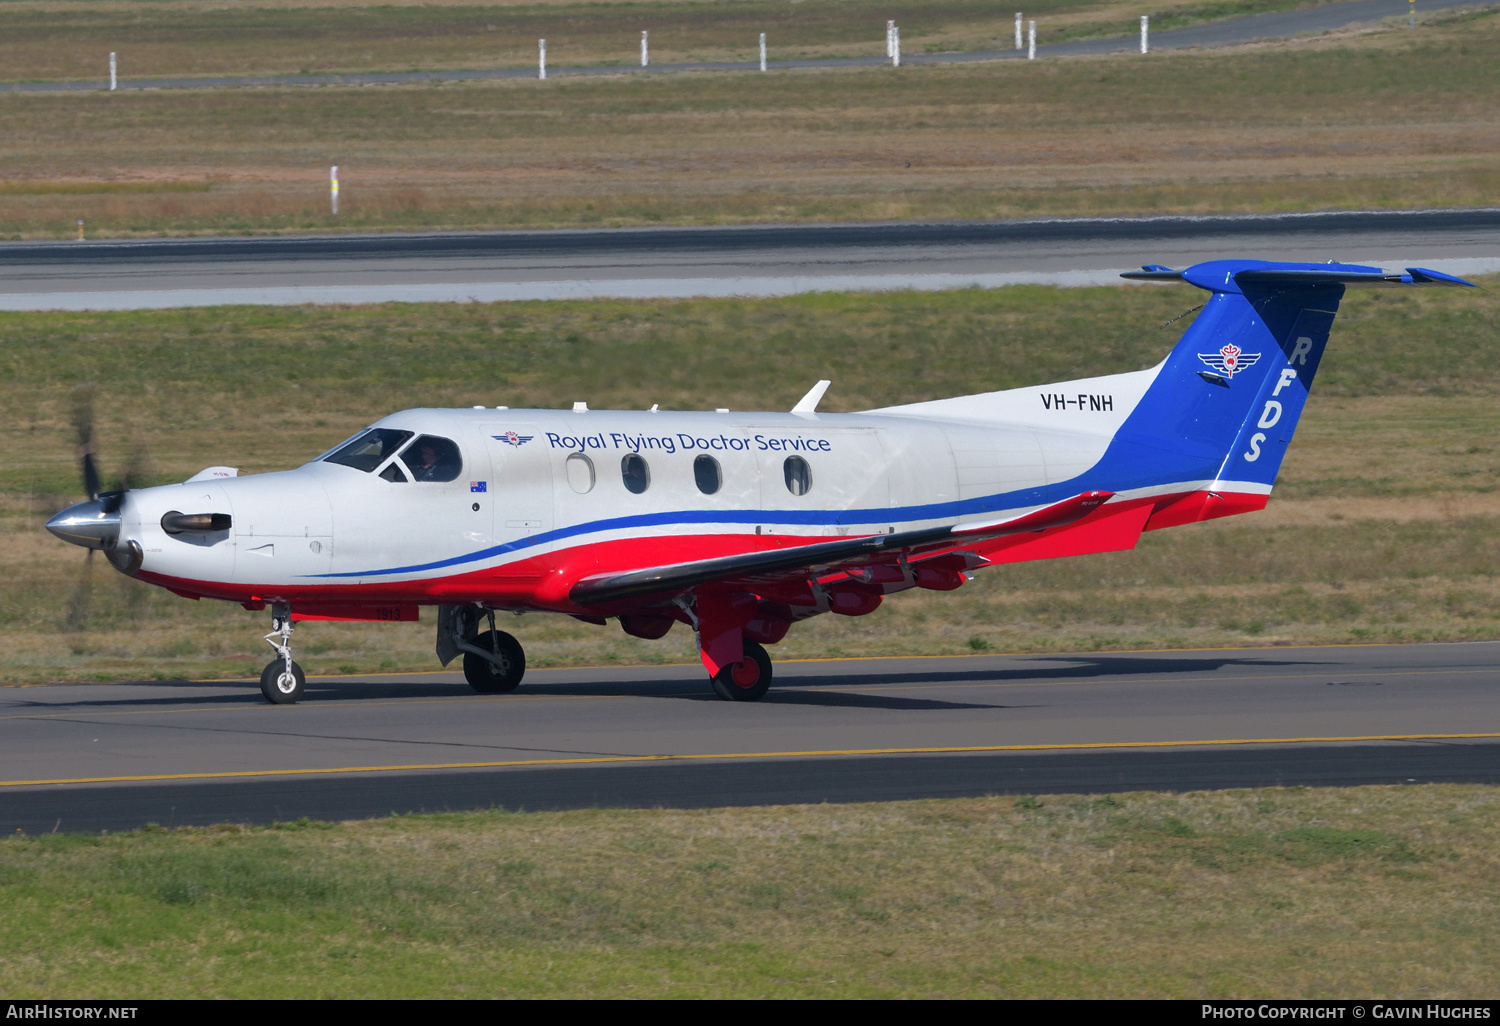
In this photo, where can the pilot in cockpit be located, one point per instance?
(433, 459)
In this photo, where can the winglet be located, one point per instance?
(809, 402)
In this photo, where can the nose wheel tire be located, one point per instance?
(279, 686)
(495, 678)
(745, 681)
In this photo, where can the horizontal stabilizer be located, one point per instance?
(1368, 278)
(818, 558)
(1207, 275)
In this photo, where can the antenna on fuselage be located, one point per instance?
(809, 402)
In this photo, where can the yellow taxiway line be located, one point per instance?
(589, 760)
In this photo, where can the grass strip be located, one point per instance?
(1291, 892)
(59, 41)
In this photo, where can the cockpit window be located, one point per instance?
(369, 450)
(393, 473)
(431, 458)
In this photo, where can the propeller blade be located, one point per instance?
(90, 475)
(83, 426)
(138, 471)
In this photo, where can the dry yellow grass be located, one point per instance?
(1378, 119)
(59, 41)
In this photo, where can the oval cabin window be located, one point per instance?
(636, 474)
(706, 472)
(580, 473)
(798, 475)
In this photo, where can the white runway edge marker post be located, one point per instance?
(112, 81)
(644, 58)
(333, 189)
(541, 58)
(890, 30)
(762, 51)
(1145, 28)
(1018, 30)
(1031, 42)
(896, 47)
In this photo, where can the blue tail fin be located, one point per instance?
(1226, 401)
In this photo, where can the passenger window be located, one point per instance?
(636, 474)
(580, 473)
(369, 450)
(394, 473)
(431, 458)
(706, 473)
(798, 475)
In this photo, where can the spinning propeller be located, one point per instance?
(95, 524)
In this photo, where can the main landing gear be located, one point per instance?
(500, 664)
(282, 681)
(494, 662)
(747, 680)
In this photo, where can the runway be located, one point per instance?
(768, 260)
(115, 756)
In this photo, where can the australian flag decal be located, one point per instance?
(478, 486)
(1229, 360)
(511, 438)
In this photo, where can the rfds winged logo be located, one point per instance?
(1229, 360)
(511, 438)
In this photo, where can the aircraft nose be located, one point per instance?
(87, 524)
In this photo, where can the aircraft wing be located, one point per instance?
(816, 559)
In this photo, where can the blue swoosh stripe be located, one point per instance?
(810, 518)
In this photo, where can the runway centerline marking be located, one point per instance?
(703, 757)
(934, 685)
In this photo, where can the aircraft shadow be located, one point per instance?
(790, 687)
(1080, 668)
(852, 700)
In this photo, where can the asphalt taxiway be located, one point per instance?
(115, 756)
(765, 260)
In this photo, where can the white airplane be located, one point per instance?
(738, 525)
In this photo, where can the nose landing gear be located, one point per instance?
(282, 681)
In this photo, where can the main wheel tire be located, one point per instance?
(278, 691)
(489, 679)
(745, 681)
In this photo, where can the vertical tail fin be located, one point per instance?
(1223, 407)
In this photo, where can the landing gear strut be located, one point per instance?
(747, 680)
(282, 681)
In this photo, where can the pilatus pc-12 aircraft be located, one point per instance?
(738, 525)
